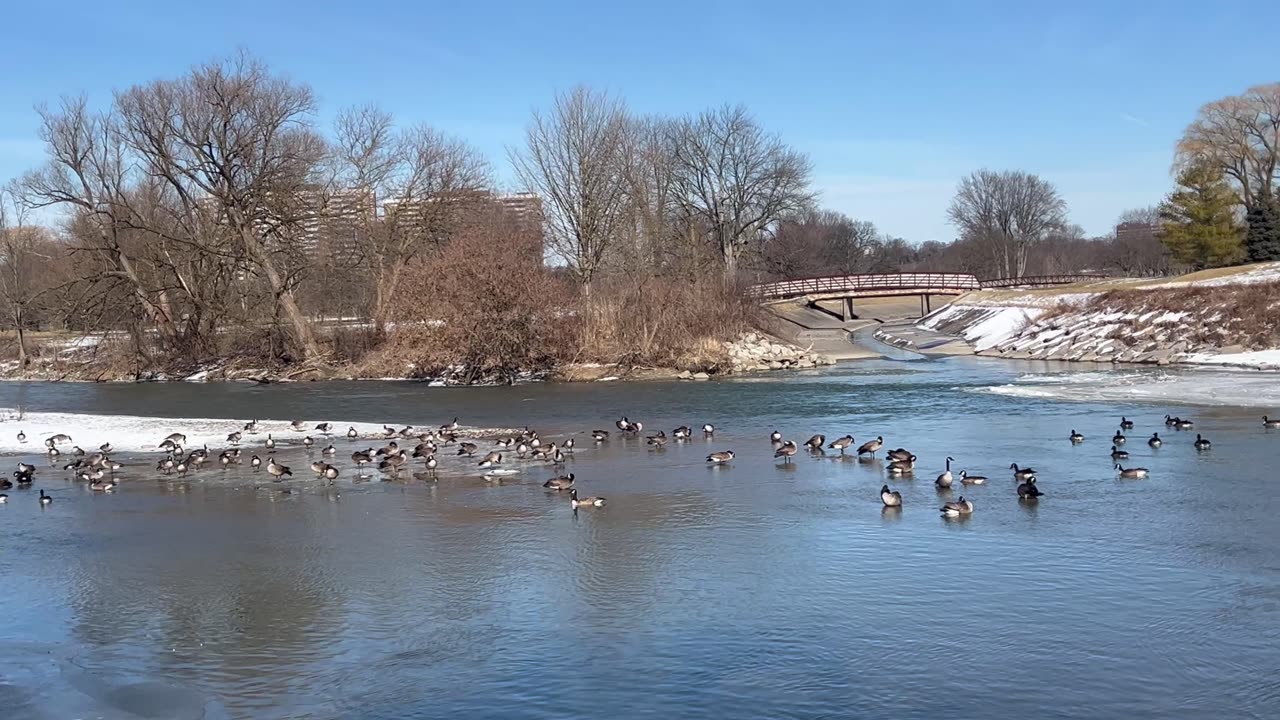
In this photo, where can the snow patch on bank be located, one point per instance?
(984, 327)
(1192, 387)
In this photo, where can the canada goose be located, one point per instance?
(393, 462)
(251, 427)
(270, 442)
(431, 463)
(898, 454)
(22, 437)
(816, 442)
(786, 451)
(1136, 472)
(5, 484)
(26, 468)
(708, 429)
(557, 457)
(298, 425)
(450, 427)
(308, 442)
(1170, 421)
(1118, 454)
(53, 453)
(522, 449)
(102, 485)
(3, 498)
(635, 429)
(176, 438)
(351, 432)
(1118, 438)
(58, 439)
(388, 431)
(318, 466)
(77, 451)
(329, 450)
(559, 483)
(898, 468)
(493, 458)
(1266, 423)
(390, 448)
(23, 478)
(600, 435)
(170, 446)
(967, 479)
(330, 472)
(841, 444)
(775, 437)
(44, 499)
(658, 441)
(422, 450)
(407, 432)
(944, 480)
(225, 460)
(276, 470)
(957, 508)
(74, 465)
(1021, 473)
(324, 428)
(1185, 424)
(720, 458)
(1076, 438)
(166, 465)
(502, 442)
(1155, 440)
(682, 433)
(871, 446)
(575, 502)
(255, 462)
(1201, 443)
(890, 498)
(1028, 490)
(1125, 423)
(181, 467)
(112, 466)
(624, 424)
(568, 445)
(468, 449)
(234, 438)
(105, 448)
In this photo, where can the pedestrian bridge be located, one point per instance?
(846, 288)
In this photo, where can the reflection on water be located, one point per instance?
(757, 589)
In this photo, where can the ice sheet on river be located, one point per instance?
(1206, 387)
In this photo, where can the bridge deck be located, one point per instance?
(897, 284)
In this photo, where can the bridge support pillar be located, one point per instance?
(926, 306)
(846, 309)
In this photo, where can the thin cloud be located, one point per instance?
(1135, 120)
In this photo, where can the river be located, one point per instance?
(756, 589)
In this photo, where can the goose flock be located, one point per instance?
(408, 448)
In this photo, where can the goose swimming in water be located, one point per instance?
(841, 444)
(902, 467)
(816, 442)
(890, 498)
(720, 458)
(1184, 424)
(944, 480)
(957, 508)
(658, 441)
(786, 452)
(1269, 423)
(1076, 438)
(1118, 438)
(871, 446)
(1021, 473)
(1125, 423)
(1155, 440)
(1028, 490)
(967, 479)
(559, 483)
(1118, 454)
(44, 499)
(1136, 472)
(775, 436)
(576, 502)
(1201, 443)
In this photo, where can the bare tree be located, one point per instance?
(1238, 135)
(735, 180)
(235, 148)
(1008, 211)
(573, 158)
(648, 169)
(812, 243)
(425, 183)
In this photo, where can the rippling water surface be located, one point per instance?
(752, 590)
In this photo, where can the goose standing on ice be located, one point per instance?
(324, 428)
(490, 460)
(786, 452)
(270, 442)
(708, 430)
(600, 435)
(720, 458)
(234, 438)
(276, 470)
(255, 462)
(871, 446)
(298, 425)
(682, 433)
(841, 444)
(22, 437)
(816, 442)
(775, 437)
(351, 432)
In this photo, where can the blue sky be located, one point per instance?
(894, 101)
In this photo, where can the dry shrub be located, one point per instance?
(485, 303)
(662, 321)
(1246, 315)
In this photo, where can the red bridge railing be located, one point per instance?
(1039, 281)
(868, 284)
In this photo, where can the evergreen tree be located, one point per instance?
(1198, 222)
(1262, 239)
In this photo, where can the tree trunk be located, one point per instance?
(23, 360)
